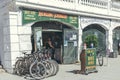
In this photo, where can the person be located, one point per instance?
(33, 44)
(119, 47)
(50, 46)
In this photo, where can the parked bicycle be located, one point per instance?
(37, 65)
(51, 65)
(37, 68)
(99, 54)
(22, 64)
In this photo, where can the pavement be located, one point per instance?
(109, 71)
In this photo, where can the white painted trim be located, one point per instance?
(63, 10)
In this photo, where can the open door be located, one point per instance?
(70, 46)
(37, 38)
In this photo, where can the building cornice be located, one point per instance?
(63, 10)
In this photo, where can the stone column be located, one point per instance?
(79, 39)
(109, 42)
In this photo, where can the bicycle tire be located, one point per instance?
(16, 66)
(37, 70)
(19, 67)
(49, 68)
(56, 67)
(100, 59)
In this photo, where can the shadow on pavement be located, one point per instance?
(76, 72)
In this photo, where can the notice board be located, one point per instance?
(90, 60)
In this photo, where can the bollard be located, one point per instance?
(82, 60)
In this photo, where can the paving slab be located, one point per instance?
(109, 71)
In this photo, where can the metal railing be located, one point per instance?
(115, 6)
(95, 3)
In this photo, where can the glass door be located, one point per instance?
(37, 38)
(70, 46)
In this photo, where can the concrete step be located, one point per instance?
(1, 69)
(0, 66)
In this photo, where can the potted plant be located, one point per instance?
(91, 41)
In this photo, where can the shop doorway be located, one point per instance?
(57, 41)
(70, 46)
(58, 33)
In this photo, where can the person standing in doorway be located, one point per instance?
(119, 47)
(50, 47)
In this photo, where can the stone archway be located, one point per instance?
(52, 25)
(98, 31)
(116, 39)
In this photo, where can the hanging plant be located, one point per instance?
(91, 39)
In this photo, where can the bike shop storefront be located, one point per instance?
(61, 28)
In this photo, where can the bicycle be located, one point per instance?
(51, 65)
(37, 69)
(22, 64)
(99, 54)
(37, 65)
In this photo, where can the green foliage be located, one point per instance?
(91, 39)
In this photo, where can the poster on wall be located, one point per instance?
(71, 35)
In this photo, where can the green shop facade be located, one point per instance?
(61, 28)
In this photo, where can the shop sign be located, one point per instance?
(32, 16)
(90, 59)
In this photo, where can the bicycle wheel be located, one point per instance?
(16, 66)
(100, 59)
(37, 70)
(49, 67)
(19, 68)
(56, 66)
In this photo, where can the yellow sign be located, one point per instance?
(48, 14)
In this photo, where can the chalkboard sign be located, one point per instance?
(90, 60)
